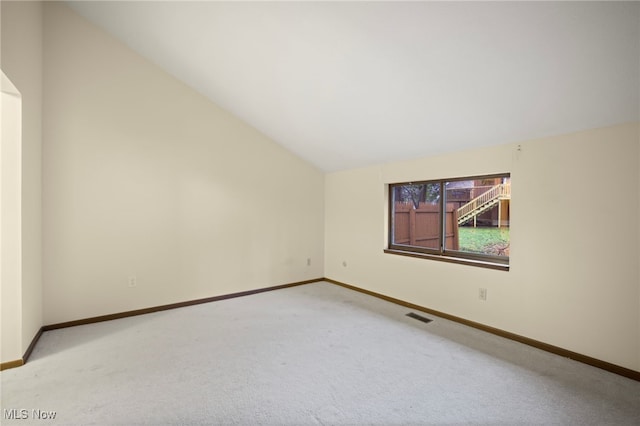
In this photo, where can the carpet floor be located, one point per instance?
(316, 354)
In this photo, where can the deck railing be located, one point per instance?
(497, 192)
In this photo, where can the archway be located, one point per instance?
(11, 222)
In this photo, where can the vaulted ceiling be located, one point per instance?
(349, 84)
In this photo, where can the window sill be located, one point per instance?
(451, 259)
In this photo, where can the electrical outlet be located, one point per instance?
(482, 294)
(344, 263)
(132, 281)
(308, 261)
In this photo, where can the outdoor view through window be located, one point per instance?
(466, 217)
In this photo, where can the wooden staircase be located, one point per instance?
(484, 202)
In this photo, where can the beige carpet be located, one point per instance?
(317, 354)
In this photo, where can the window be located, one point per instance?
(462, 220)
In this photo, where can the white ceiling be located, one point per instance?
(345, 85)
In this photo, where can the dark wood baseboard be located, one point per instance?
(172, 306)
(613, 368)
(25, 357)
(27, 354)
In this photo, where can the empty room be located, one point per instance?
(320, 213)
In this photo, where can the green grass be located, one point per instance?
(483, 240)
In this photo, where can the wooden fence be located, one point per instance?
(421, 227)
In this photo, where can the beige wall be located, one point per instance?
(10, 220)
(574, 279)
(144, 177)
(22, 63)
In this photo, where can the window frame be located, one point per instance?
(442, 253)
